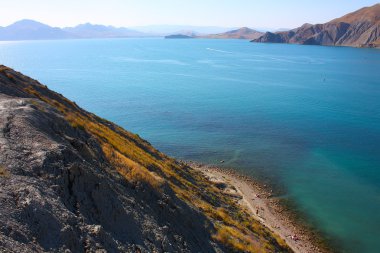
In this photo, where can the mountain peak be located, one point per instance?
(28, 23)
(89, 25)
(28, 29)
(245, 29)
(89, 30)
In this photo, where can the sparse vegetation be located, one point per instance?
(6, 71)
(234, 239)
(3, 69)
(138, 162)
(3, 171)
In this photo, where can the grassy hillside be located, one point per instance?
(140, 163)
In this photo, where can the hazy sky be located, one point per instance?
(228, 13)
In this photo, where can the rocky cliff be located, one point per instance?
(73, 182)
(358, 29)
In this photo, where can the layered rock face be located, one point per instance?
(73, 182)
(357, 29)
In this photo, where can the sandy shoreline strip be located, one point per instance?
(262, 207)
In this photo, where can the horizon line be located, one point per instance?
(137, 26)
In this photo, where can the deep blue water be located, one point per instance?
(305, 117)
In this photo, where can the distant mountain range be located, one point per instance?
(100, 31)
(242, 33)
(33, 30)
(358, 29)
(181, 29)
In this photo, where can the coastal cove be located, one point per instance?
(265, 206)
(303, 119)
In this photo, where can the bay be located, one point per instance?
(303, 118)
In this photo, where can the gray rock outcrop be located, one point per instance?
(58, 193)
(71, 181)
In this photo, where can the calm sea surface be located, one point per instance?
(307, 118)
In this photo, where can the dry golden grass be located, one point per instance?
(234, 239)
(6, 71)
(131, 170)
(3, 69)
(4, 172)
(137, 161)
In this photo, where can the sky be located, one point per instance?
(226, 13)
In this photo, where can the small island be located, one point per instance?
(178, 36)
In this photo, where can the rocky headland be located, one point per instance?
(71, 181)
(357, 29)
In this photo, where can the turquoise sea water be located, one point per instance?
(307, 118)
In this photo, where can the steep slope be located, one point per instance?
(31, 30)
(73, 182)
(242, 33)
(359, 29)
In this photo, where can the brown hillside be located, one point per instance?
(358, 29)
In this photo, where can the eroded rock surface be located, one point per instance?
(58, 193)
(71, 181)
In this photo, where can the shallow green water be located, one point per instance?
(307, 118)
